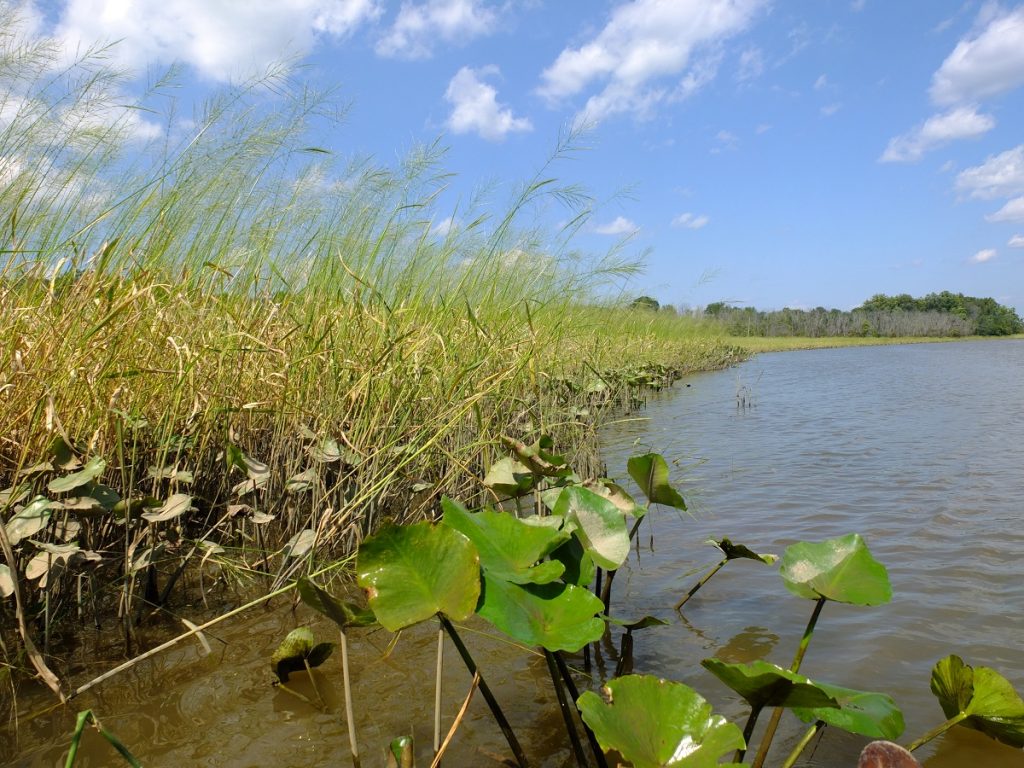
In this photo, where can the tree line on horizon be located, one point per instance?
(936, 314)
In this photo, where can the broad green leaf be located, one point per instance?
(617, 495)
(106, 496)
(539, 457)
(578, 562)
(656, 723)
(738, 551)
(508, 477)
(299, 544)
(644, 623)
(29, 521)
(559, 617)
(6, 581)
(412, 572)
(93, 468)
(175, 506)
(650, 472)
(509, 548)
(297, 650)
(762, 684)
(303, 481)
(986, 700)
(601, 527)
(840, 569)
(342, 613)
(14, 495)
(874, 715)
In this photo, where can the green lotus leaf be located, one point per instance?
(342, 613)
(840, 569)
(508, 477)
(738, 551)
(578, 562)
(984, 699)
(559, 617)
(762, 684)
(296, 651)
(655, 723)
(93, 468)
(509, 548)
(617, 495)
(600, 526)
(650, 472)
(30, 520)
(412, 572)
(874, 715)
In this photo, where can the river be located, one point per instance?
(917, 448)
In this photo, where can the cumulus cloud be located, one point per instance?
(1012, 211)
(221, 40)
(985, 65)
(476, 109)
(982, 256)
(620, 225)
(420, 26)
(959, 123)
(690, 220)
(1017, 241)
(645, 46)
(1000, 175)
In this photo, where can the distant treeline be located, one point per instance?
(937, 314)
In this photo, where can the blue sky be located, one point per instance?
(789, 153)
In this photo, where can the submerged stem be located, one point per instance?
(701, 583)
(485, 690)
(937, 731)
(574, 694)
(802, 744)
(437, 690)
(563, 706)
(748, 731)
(349, 714)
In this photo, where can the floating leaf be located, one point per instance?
(509, 548)
(296, 651)
(412, 572)
(982, 698)
(874, 715)
(92, 469)
(763, 684)
(559, 617)
(508, 477)
(342, 613)
(30, 520)
(175, 506)
(651, 473)
(655, 723)
(601, 526)
(617, 495)
(63, 455)
(840, 569)
(738, 551)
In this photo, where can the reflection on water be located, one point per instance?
(917, 448)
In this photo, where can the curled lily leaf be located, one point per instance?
(298, 650)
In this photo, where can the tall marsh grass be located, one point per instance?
(220, 308)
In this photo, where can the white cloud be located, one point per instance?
(444, 227)
(830, 109)
(821, 82)
(751, 65)
(982, 256)
(476, 109)
(1012, 211)
(419, 26)
(644, 45)
(1017, 241)
(937, 130)
(727, 141)
(222, 40)
(1000, 175)
(690, 220)
(620, 225)
(990, 63)
(763, 128)
(858, 5)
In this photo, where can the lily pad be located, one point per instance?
(559, 617)
(578, 562)
(175, 506)
(30, 520)
(656, 723)
(93, 468)
(412, 572)
(865, 713)
(984, 699)
(762, 684)
(509, 548)
(650, 472)
(601, 526)
(508, 477)
(296, 651)
(617, 495)
(840, 569)
(342, 613)
(738, 551)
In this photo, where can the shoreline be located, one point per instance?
(756, 344)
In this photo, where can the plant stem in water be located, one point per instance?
(937, 731)
(349, 713)
(437, 690)
(802, 744)
(574, 694)
(700, 584)
(563, 706)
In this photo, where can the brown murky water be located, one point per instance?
(918, 448)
